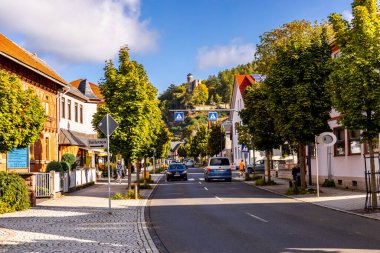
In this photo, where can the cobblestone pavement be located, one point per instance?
(334, 198)
(79, 222)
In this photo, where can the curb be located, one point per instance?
(313, 203)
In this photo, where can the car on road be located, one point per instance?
(257, 167)
(189, 163)
(176, 171)
(218, 168)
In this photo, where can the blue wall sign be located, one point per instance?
(179, 116)
(212, 116)
(18, 159)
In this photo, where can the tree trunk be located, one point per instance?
(268, 158)
(144, 171)
(373, 175)
(302, 163)
(138, 174)
(129, 175)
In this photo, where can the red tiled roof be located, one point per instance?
(95, 88)
(16, 52)
(243, 81)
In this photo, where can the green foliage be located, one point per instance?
(200, 94)
(118, 196)
(70, 159)
(129, 195)
(54, 166)
(198, 144)
(252, 177)
(21, 115)
(295, 190)
(182, 151)
(13, 193)
(328, 183)
(216, 140)
(260, 182)
(65, 166)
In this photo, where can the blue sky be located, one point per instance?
(171, 38)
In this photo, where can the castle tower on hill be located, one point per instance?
(191, 83)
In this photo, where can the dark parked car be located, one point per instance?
(176, 171)
(218, 168)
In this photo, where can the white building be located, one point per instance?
(76, 111)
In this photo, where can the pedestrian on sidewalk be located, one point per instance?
(119, 171)
(241, 168)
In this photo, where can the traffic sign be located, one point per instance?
(97, 143)
(179, 116)
(112, 125)
(244, 148)
(212, 116)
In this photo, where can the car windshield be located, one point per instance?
(219, 161)
(176, 167)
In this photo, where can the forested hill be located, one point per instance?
(216, 89)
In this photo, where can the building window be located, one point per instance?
(63, 108)
(339, 147)
(354, 141)
(375, 148)
(69, 109)
(81, 113)
(76, 112)
(47, 149)
(47, 105)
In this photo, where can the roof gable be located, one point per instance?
(15, 52)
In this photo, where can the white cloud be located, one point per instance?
(225, 56)
(78, 30)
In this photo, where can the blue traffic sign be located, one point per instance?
(179, 116)
(244, 148)
(212, 116)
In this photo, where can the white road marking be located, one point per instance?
(201, 179)
(191, 179)
(256, 217)
(206, 189)
(218, 198)
(199, 182)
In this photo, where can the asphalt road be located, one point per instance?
(198, 216)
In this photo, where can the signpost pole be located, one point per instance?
(109, 173)
(317, 165)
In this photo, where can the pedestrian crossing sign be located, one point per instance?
(179, 116)
(212, 116)
(244, 148)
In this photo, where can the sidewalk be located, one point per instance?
(79, 222)
(334, 198)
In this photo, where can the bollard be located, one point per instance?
(136, 191)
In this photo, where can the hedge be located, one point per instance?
(13, 193)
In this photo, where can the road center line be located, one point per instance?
(206, 189)
(199, 182)
(218, 198)
(256, 217)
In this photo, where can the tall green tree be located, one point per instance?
(182, 151)
(355, 80)
(21, 115)
(127, 93)
(259, 122)
(216, 140)
(296, 59)
(198, 146)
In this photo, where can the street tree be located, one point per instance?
(198, 146)
(259, 123)
(355, 81)
(22, 116)
(296, 60)
(126, 90)
(216, 141)
(182, 151)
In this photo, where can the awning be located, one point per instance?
(99, 152)
(67, 137)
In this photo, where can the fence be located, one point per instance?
(47, 184)
(369, 183)
(43, 185)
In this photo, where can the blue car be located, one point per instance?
(176, 171)
(218, 168)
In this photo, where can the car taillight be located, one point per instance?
(230, 170)
(208, 170)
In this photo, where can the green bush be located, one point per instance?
(328, 183)
(54, 166)
(65, 166)
(294, 190)
(70, 159)
(129, 195)
(13, 193)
